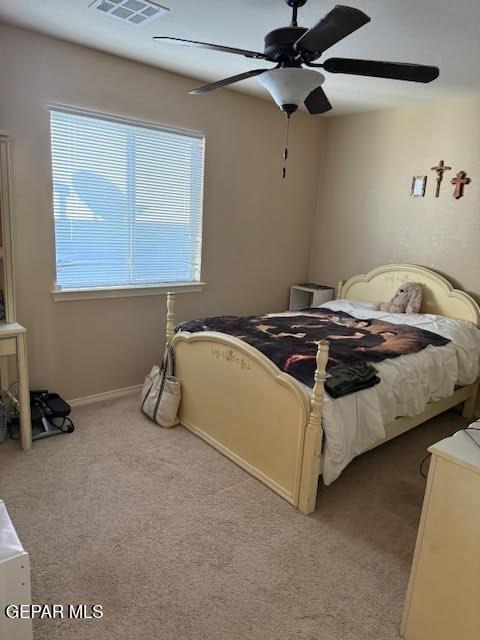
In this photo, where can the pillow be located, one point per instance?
(339, 305)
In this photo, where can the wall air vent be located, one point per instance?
(136, 12)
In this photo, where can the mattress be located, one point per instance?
(355, 423)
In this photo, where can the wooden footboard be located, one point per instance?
(261, 418)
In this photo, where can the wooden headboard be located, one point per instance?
(439, 296)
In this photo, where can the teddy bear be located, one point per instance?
(407, 299)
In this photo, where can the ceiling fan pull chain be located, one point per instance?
(285, 155)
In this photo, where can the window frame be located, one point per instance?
(61, 294)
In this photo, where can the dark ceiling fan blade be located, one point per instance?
(336, 25)
(378, 69)
(223, 83)
(207, 45)
(317, 102)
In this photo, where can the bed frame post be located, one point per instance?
(313, 436)
(170, 316)
(470, 405)
(338, 292)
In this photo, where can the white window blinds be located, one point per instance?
(128, 202)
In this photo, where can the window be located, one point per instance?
(128, 201)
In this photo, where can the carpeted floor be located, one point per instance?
(178, 543)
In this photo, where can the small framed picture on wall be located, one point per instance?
(419, 185)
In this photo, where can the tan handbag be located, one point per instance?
(161, 392)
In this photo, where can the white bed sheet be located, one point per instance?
(355, 423)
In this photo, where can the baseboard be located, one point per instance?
(106, 395)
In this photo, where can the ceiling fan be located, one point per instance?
(289, 83)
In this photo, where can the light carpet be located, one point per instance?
(178, 543)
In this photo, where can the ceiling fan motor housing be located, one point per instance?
(279, 43)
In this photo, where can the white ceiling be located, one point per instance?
(438, 32)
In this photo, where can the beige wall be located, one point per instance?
(365, 214)
(256, 226)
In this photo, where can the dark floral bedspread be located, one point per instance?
(291, 341)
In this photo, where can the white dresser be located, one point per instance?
(14, 580)
(443, 598)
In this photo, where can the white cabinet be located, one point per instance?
(443, 598)
(309, 295)
(14, 580)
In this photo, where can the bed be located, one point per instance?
(268, 422)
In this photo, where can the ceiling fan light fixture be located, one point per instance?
(291, 86)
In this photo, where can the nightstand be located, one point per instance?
(309, 294)
(443, 598)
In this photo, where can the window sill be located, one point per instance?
(65, 295)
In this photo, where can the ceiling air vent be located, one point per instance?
(136, 12)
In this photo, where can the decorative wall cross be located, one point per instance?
(440, 169)
(460, 181)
